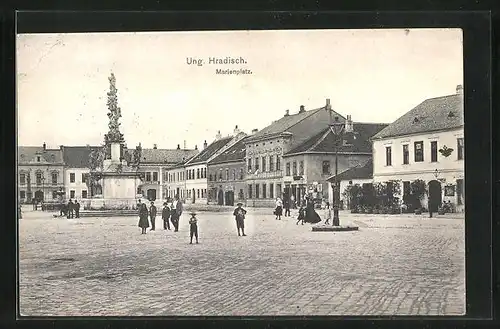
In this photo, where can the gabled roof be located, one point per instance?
(78, 156)
(431, 115)
(284, 124)
(364, 171)
(356, 142)
(170, 156)
(28, 155)
(235, 153)
(211, 149)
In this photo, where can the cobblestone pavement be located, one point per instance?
(400, 265)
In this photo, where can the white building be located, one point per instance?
(359, 175)
(427, 143)
(76, 171)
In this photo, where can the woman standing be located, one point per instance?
(279, 208)
(311, 215)
(143, 218)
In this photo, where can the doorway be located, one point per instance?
(220, 198)
(435, 197)
(229, 198)
(151, 194)
(39, 196)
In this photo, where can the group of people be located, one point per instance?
(307, 214)
(70, 210)
(171, 213)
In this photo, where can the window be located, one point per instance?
(241, 196)
(205, 193)
(419, 151)
(278, 163)
(72, 177)
(460, 191)
(388, 156)
(264, 168)
(256, 163)
(434, 151)
(197, 173)
(287, 169)
(39, 178)
(54, 178)
(271, 163)
(72, 194)
(241, 174)
(22, 179)
(295, 168)
(326, 167)
(138, 190)
(38, 159)
(227, 174)
(264, 191)
(84, 194)
(198, 193)
(22, 194)
(148, 177)
(210, 177)
(250, 191)
(249, 164)
(278, 190)
(406, 154)
(234, 174)
(271, 190)
(301, 168)
(155, 176)
(460, 148)
(220, 175)
(257, 191)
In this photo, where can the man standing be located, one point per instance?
(152, 215)
(165, 215)
(70, 209)
(239, 215)
(286, 205)
(178, 212)
(77, 209)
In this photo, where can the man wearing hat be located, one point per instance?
(193, 227)
(152, 215)
(239, 215)
(165, 215)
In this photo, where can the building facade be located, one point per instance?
(176, 181)
(40, 174)
(427, 144)
(226, 176)
(361, 175)
(196, 168)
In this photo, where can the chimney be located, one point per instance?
(254, 131)
(61, 147)
(205, 145)
(236, 130)
(185, 144)
(155, 147)
(218, 136)
(328, 105)
(287, 113)
(196, 147)
(460, 90)
(44, 146)
(178, 146)
(348, 124)
(302, 109)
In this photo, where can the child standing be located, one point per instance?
(302, 215)
(193, 227)
(328, 213)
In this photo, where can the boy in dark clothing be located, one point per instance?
(302, 215)
(152, 215)
(193, 227)
(239, 214)
(286, 205)
(70, 209)
(77, 209)
(165, 215)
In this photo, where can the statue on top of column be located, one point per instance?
(114, 114)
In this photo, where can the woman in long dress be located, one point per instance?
(311, 215)
(279, 208)
(143, 218)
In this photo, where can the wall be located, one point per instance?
(234, 184)
(47, 187)
(176, 180)
(79, 186)
(119, 187)
(446, 170)
(196, 184)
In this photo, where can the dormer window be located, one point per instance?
(451, 114)
(38, 158)
(416, 120)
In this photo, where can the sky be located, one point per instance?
(373, 75)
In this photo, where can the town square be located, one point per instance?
(178, 201)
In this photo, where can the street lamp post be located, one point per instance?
(337, 128)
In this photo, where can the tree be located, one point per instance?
(418, 190)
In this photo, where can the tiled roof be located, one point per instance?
(28, 154)
(360, 172)
(284, 124)
(433, 114)
(78, 156)
(356, 142)
(211, 149)
(233, 154)
(165, 155)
